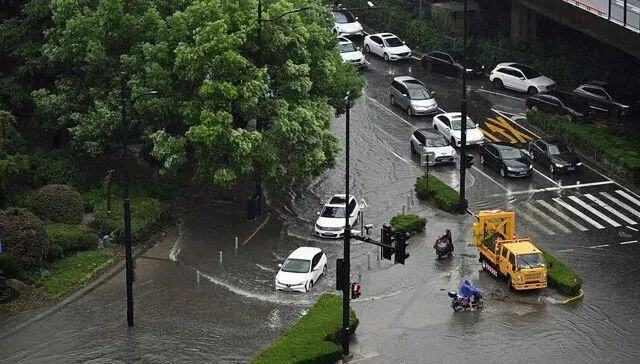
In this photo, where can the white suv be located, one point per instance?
(346, 23)
(520, 78)
(350, 53)
(386, 45)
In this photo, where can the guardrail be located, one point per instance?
(623, 12)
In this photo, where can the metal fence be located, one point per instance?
(623, 12)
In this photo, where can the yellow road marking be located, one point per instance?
(496, 129)
(256, 230)
(505, 126)
(489, 135)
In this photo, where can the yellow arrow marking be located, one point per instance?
(489, 135)
(522, 137)
(507, 137)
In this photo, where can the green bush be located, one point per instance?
(313, 339)
(408, 223)
(10, 267)
(617, 150)
(562, 277)
(444, 197)
(55, 252)
(58, 203)
(23, 199)
(23, 235)
(56, 168)
(72, 238)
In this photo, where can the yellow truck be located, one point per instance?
(504, 255)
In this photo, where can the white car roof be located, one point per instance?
(304, 252)
(505, 64)
(454, 116)
(343, 40)
(341, 196)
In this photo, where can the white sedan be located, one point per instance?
(350, 53)
(330, 223)
(301, 270)
(450, 126)
(386, 45)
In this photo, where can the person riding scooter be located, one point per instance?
(444, 245)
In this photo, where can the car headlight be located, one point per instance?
(558, 165)
(520, 280)
(420, 107)
(511, 169)
(469, 69)
(453, 152)
(579, 164)
(530, 166)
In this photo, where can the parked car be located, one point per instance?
(330, 223)
(561, 104)
(520, 78)
(427, 141)
(450, 126)
(506, 160)
(602, 98)
(350, 53)
(554, 155)
(450, 63)
(346, 24)
(412, 96)
(387, 46)
(301, 270)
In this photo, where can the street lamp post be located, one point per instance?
(126, 101)
(347, 236)
(463, 110)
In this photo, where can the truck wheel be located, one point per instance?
(510, 282)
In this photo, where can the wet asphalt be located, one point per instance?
(192, 308)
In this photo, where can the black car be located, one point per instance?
(556, 156)
(560, 103)
(450, 63)
(505, 159)
(605, 99)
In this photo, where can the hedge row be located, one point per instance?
(615, 149)
(408, 223)
(562, 277)
(72, 238)
(444, 197)
(313, 339)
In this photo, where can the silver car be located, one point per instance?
(412, 96)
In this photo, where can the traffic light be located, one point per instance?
(356, 290)
(341, 279)
(387, 239)
(401, 247)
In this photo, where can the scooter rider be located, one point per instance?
(447, 238)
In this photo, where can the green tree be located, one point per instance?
(215, 83)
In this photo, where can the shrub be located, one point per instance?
(444, 197)
(562, 277)
(56, 168)
(23, 235)
(55, 252)
(59, 203)
(313, 339)
(71, 238)
(408, 223)
(23, 199)
(10, 267)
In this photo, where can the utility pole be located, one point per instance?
(347, 235)
(463, 110)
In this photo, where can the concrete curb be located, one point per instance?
(574, 299)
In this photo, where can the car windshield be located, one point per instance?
(510, 153)
(529, 72)
(393, 42)
(558, 149)
(343, 17)
(333, 211)
(532, 260)
(456, 124)
(418, 92)
(346, 47)
(436, 141)
(296, 266)
(456, 56)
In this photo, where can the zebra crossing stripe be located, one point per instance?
(536, 223)
(621, 204)
(578, 213)
(628, 197)
(536, 211)
(561, 215)
(599, 214)
(610, 209)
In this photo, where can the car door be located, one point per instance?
(403, 99)
(377, 45)
(445, 130)
(507, 77)
(395, 91)
(448, 66)
(418, 140)
(353, 214)
(492, 156)
(594, 99)
(543, 152)
(437, 62)
(519, 81)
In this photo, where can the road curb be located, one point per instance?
(574, 299)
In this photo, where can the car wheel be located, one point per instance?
(367, 48)
(497, 83)
(482, 160)
(533, 156)
(413, 149)
(503, 172)
(409, 111)
(392, 100)
(453, 142)
(435, 127)
(532, 90)
(552, 168)
(385, 57)
(306, 287)
(324, 270)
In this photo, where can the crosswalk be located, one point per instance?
(584, 212)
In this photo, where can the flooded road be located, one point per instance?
(190, 307)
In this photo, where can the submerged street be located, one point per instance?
(192, 307)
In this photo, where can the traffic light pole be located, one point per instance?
(463, 110)
(347, 234)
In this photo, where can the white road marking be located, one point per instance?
(599, 246)
(589, 208)
(536, 223)
(561, 215)
(629, 242)
(548, 179)
(565, 250)
(621, 204)
(628, 197)
(632, 228)
(389, 111)
(396, 154)
(557, 188)
(578, 213)
(500, 94)
(610, 209)
(414, 57)
(536, 211)
(490, 178)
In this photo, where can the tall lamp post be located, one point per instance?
(463, 110)
(127, 101)
(346, 265)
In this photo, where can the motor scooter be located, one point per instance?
(468, 298)
(444, 247)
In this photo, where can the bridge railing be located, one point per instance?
(622, 12)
